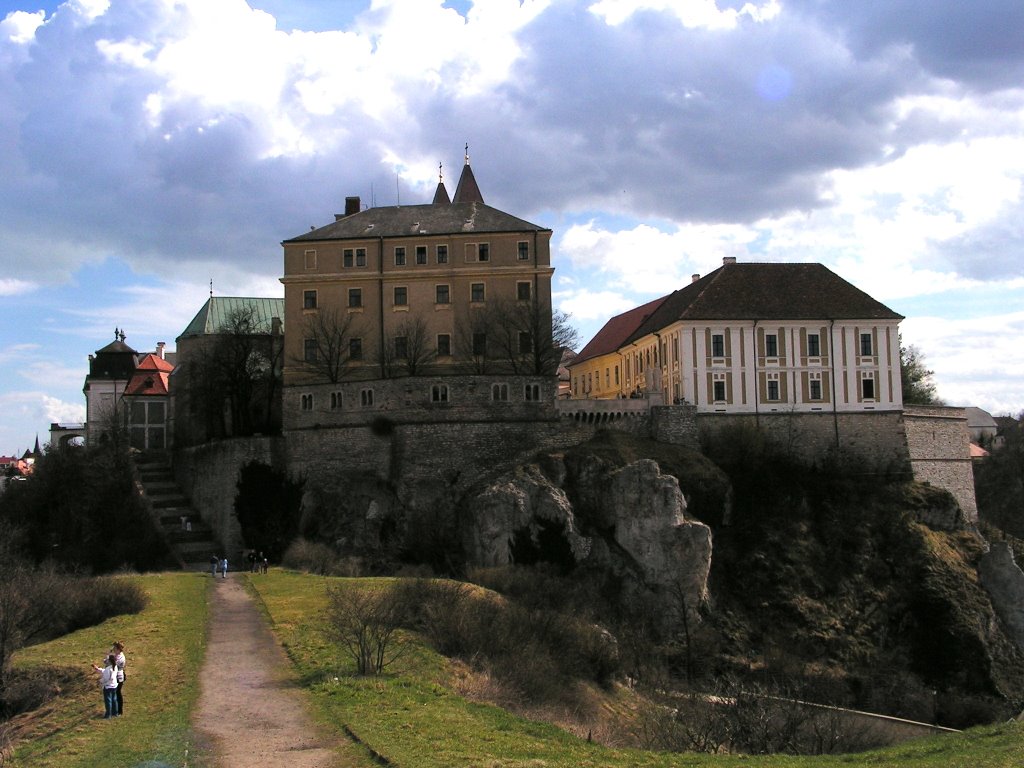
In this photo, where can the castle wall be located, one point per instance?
(208, 475)
(940, 453)
(875, 438)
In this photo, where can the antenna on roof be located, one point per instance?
(398, 191)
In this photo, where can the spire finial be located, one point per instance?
(117, 332)
(467, 153)
(440, 173)
(211, 287)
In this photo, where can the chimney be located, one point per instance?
(727, 260)
(351, 205)
(694, 277)
(160, 349)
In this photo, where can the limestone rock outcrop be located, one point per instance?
(630, 520)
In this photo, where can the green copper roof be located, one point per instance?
(219, 311)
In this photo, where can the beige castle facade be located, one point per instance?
(431, 296)
(751, 338)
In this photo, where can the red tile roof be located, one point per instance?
(617, 330)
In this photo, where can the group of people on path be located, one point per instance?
(218, 564)
(112, 680)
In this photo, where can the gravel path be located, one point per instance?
(250, 710)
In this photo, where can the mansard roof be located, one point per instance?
(217, 312)
(150, 377)
(766, 292)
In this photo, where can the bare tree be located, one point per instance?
(528, 337)
(327, 349)
(419, 350)
(234, 378)
(472, 340)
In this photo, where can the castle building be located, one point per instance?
(453, 289)
(751, 338)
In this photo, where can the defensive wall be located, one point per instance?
(208, 476)
(408, 438)
(938, 441)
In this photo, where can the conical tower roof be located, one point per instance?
(441, 195)
(467, 191)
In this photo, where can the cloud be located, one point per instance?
(13, 287)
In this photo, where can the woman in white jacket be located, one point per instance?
(108, 682)
(117, 651)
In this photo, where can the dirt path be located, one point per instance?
(250, 710)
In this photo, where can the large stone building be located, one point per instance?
(438, 307)
(751, 338)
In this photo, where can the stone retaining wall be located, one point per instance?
(938, 442)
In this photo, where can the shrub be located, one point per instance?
(365, 623)
(312, 557)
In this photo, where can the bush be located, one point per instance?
(365, 623)
(537, 652)
(312, 557)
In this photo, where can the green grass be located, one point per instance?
(165, 645)
(412, 718)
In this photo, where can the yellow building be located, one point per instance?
(453, 287)
(751, 338)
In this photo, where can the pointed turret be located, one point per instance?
(441, 194)
(467, 191)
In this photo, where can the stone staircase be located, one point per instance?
(193, 543)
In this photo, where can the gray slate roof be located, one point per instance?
(218, 309)
(419, 220)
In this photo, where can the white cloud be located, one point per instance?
(692, 14)
(12, 287)
(20, 26)
(593, 305)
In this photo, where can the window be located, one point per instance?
(719, 391)
(360, 257)
(773, 389)
(476, 292)
(335, 401)
(525, 343)
(442, 294)
(480, 344)
(531, 393)
(355, 297)
(439, 393)
(309, 299)
(771, 345)
(309, 353)
(306, 402)
(401, 296)
(867, 387)
(523, 291)
(616, 375)
(718, 345)
(346, 257)
(421, 254)
(524, 250)
(310, 259)
(444, 345)
(366, 398)
(355, 349)
(813, 345)
(478, 252)
(815, 389)
(866, 345)
(401, 348)
(399, 255)
(442, 254)
(499, 393)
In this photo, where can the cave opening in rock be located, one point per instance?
(549, 545)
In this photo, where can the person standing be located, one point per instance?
(214, 560)
(117, 651)
(108, 682)
(224, 568)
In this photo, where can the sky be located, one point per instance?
(149, 147)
